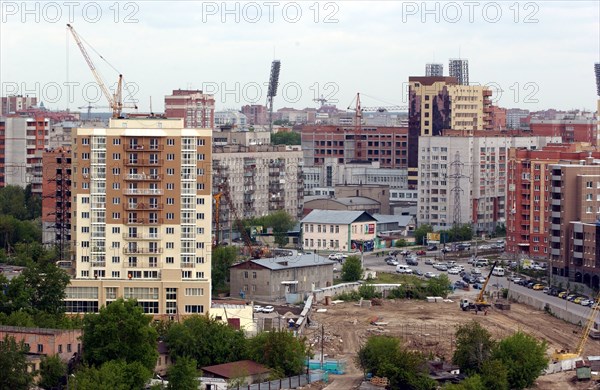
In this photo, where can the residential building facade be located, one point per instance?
(16, 103)
(261, 180)
(570, 127)
(529, 198)
(256, 114)
(575, 222)
(141, 217)
(22, 142)
(49, 342)
(463, 179)
(337, 230)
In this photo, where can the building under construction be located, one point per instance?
(459, 68)
(195, 107)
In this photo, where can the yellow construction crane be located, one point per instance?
(564, 355)
(480, 304)
(115, 101)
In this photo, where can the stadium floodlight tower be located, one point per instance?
(272, 92)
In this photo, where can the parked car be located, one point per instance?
(432, 248)
(430, 275)
(481, 280)
(418, 272)
(392, 262)
(421, 253)
(579, 299)
(258, 308)
(429, 261)
(412, 261)
(460, 284)
(453, 271)
(389, 258)
(442, 267)
(405, 252)
(586, 302)
(445, 250)
(394, 253)
(268, 309)
(538, 286)
(562, 294)
(546, 290)
(570, 297)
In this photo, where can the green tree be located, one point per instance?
(524, 358)
(112, 375)
(474, 382)
(33, 203)
(52, 369)
(285, 138)
(12, 202)
(13, 365)
(384, 356)
(494, 375)
(47, 284)
(280, 221)
(206, 340)
(352, 269)
(280, 350)
(183, 374)
(439, 286)
(120, 331)
(474, 345)
(421, 233)
(223, 257)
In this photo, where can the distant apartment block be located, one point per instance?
(224, 137)
(575, 221)
(294, 116)
(498, 118)
(141, 217)
(570, 127)
(459, 68)
(463, 179)
(529, 203)
(230, 119)
(597, 73)
(196, 108)
(22, 142)
(16, 103)
(262, 179)
(386, 145)
(434, 70)
(337, 230)
(256, 114)
(515, 117)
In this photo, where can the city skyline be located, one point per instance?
(334, 49)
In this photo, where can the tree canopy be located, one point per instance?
(286, 138)
(280, 350)
(183, 374)
(206, 340)
(280, 221)
(52, 370)
(474, 345)
(121, 331)
(112, 375)
(352, 269)
(524, 358)
(223, 257)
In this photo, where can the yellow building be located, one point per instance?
(141, 217)
(337, 230)
(238, 316)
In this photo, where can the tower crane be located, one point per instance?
(358, 110)
(115, 101)
(89, 109)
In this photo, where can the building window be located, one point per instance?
(170, 142)
(170, 156)
(170, 245)
(170, 171)
(194, 309)
(589, 184)
(40, 348)
(170, 260)
(170, 230)
(254, 275)
(200, 275)
(186, 274)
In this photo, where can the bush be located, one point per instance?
(347, 296)
(367, 291)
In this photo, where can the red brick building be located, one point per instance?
(62, 342)
(56, 196)
(388, 145)
(528, 201)
(256, 114)
(197, 109)
(498, 115)
(571, 130)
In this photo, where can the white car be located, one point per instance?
(585, 302)
(430, 275)
(268, 309)
(454, 271)
(258, 308)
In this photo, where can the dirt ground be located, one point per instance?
(430, 327)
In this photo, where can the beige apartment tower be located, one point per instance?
(141, 217)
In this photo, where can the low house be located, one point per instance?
(289, 277)
(65, 343)
(394, 225)
(243, 372)
(336, 230)
(164, 360)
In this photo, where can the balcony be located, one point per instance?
(144, 206)
(556, 189)
(555, 252)
(578, 242)
(140, 162)
(555, 239)
(555, 226)
(98, 264)
(142, 177)
(142, 264)
(142, 191)
(577, 255)
(556, 214)
(141, 236)
(142, 251)
(142, 147)
(187, 265)
(525, 191)
(134, 221)
(556, 177)
(555, 202)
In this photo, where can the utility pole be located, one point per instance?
(322, 344)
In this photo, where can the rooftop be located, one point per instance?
(294, 261)
(343, 217)
(232, 370)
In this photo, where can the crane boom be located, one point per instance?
(487, 280)
(92, 67)
(588, 326)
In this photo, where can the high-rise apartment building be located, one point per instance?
(22, 142)
(529, 197)
(597, 72)
(575, 222)
(571, 127)
(437, 104)
(196, 108)
(141, 216)
(459, 69)
(463, 180)
(434, 70)
(16, 103)
(515, 116)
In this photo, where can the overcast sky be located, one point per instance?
(539, 54)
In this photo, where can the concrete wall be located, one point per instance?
(332, 291)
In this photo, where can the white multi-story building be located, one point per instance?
(463, 179)
(141, 217)
(231, 118)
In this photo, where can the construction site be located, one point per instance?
(430, 327)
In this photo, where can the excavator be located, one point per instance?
(480, 303)
(558, 356)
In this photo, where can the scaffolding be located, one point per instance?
(62, 204)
